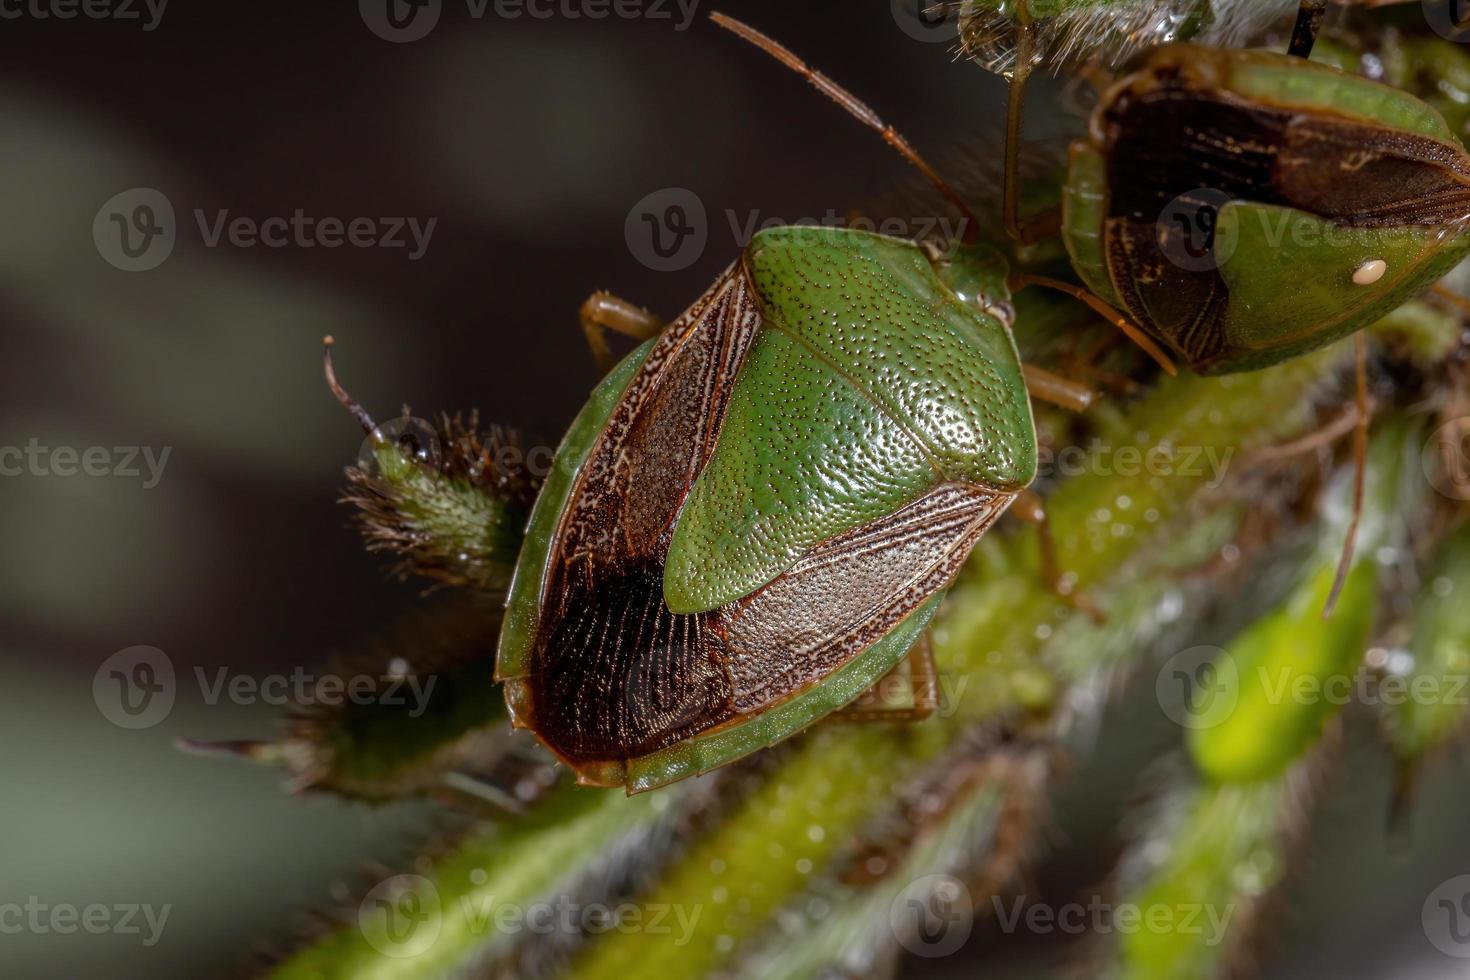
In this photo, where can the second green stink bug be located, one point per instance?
(754, 517)
(1243, 207)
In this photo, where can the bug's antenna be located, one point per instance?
(859, 110)
(348, 402)
(1308, 22)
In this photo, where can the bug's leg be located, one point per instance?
(603, 312)
(1312, 441)
(1028, 507)
(1015, 112)
(1460, 303)
(922, 681)
(1308, 22)
(1057, 390)
(1102, 309)
(1360, 475)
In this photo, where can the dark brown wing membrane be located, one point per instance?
(615, 674)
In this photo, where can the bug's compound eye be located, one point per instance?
(1188, 231)
(1370, 272)
(415, 438)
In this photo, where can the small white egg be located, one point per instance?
(1370, 272)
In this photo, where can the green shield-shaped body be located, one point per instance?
(754, 516)
(1245, 207)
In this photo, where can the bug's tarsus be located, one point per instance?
(602, 312)
(923, 678)
(1308, 23)
(1105, 311)
(1057, 390)
(348, 402)
(1360, 474)
(859, 110)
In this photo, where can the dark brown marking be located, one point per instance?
(614, 673)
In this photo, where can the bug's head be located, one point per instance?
(977, 274)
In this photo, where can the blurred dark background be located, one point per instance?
(533, 144)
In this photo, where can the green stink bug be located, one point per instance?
(755, 516)
(750, 521)
(1290, 204)
(1245, 207)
